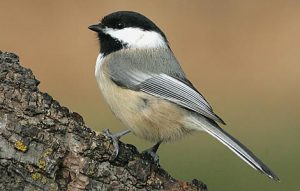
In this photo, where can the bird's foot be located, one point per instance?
(115, 140)
(151, 153)
(153, 156)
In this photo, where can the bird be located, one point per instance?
(147, 90)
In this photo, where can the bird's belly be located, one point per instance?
(146, 116)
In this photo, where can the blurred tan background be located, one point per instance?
(243, 55)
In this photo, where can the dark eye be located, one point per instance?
(120, 25)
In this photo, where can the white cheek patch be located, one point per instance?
(137, 38)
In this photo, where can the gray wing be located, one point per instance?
(169, 88)
(158, 73)
(173, 90)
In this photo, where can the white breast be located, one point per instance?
(98, 63)
(154, 119)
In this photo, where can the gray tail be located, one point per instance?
(238, 148)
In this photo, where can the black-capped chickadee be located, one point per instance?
(145, 87)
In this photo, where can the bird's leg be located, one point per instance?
(152, 152)
(115, 139)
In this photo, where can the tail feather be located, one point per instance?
(238, 148)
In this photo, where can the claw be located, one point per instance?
(151, 152)
(115, 140)
(151, 155)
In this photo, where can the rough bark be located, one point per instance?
(44, 146)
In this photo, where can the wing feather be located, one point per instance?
(173, 90)
(162, 77)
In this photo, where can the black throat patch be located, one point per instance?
(108, 44)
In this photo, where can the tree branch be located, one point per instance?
(44, 146)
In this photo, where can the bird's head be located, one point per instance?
(127, 29)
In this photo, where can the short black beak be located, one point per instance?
(97, 28)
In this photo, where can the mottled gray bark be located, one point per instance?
(44, 146)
